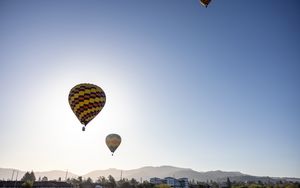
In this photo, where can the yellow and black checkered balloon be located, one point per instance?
(86, 101)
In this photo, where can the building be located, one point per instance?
(156, 181)
(184, 182)
(172, 182)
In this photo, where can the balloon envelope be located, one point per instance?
(86, 101)
(205, 2)
(113, 141)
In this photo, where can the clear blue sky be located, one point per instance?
(202, 88)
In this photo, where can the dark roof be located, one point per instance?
(51, 184)
(35, 184)
(11, 183)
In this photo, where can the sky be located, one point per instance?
(212, 88)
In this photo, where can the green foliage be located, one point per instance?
(124, 184)
(145, 184)
(44, 178)
(79, 179)
(292, 185)
(111, 182)
(214, 184)
(228, 183)
(162, 186)
(27, 184)
(133, 182)
(102, 180)
(88, 183)
(89, 180)
(261, 184)
(254, 185)
(28, 177)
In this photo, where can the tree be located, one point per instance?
(88, 183)
(214, 184)
(111, 182)
(228, 183)
(133, 182)
(79, 179)
(28, 177)
(145, 184)
(124, 184)
(27, 184)
(44, 178)
(74, 182)
(89, 180)
(293, 185)
(102, 180)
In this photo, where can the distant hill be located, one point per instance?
(161, 172)
(7, 173)
(145, 173)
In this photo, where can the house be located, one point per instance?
(156, 181)
(172, 182)
(184, 182)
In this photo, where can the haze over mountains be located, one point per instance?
(145, 173)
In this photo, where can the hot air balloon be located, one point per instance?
(205, 2)
(86, 101)
(113, 141)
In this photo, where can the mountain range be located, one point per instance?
(145, 173)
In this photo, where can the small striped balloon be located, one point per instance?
(86, 101)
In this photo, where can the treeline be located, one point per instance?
(104, 182)
(110, 182)
(250, 184)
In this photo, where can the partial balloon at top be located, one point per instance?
(86, 101)
(205, 2)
